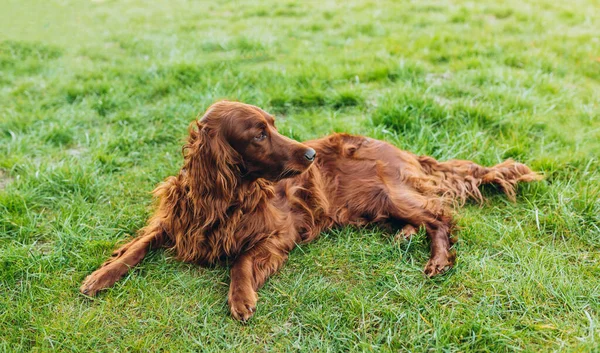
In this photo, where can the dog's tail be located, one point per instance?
(460, 180)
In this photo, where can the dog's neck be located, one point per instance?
(251, 194)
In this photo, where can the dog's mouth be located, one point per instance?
(289, 173)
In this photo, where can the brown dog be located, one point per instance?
(249, 194)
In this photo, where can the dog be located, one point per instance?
(246, 195)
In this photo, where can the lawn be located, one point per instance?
(95, 100)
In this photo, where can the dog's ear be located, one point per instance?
(212, 172)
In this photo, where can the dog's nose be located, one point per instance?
(310, 154)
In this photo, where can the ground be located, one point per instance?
(95, 100)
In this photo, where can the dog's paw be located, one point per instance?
(406, 233)
(242, 304)
(439, 264)
(97, 281)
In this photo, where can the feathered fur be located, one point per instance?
(248, 195)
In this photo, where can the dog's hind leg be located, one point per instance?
(418, 210)
(407, 232)
(123, 259)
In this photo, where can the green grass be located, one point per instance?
(95, 99)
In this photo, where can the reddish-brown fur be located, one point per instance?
(249, 194)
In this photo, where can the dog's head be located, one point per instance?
(243, 136)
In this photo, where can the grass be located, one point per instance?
(95, 99)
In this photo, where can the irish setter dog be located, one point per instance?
(247, 195)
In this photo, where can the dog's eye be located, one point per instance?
(260, 136)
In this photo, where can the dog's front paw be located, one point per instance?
(439, 264)
(242, 303)
(99, 280)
